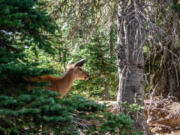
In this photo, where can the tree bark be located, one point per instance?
(106, 90)
(130, 59)
(111, 41)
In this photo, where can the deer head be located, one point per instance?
(76, 70)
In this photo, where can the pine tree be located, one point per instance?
(23, 25)
(100, 66)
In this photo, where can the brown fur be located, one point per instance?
(62, 85)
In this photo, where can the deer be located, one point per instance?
(63, 84)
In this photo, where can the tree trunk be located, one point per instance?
(111, 41)
(130, 58)
(106, 90)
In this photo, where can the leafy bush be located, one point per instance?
(30, 113)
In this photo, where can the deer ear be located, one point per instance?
(69, 65)
(70, 62)
(80, 63)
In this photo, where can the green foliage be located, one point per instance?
(100, 67)
(175, 7)
(31, 113)
(26, 35)
(23, 16)
(131, 108)
(14, 68)
(117, 124)
(27, 112)
(21, 26)
(21, 23)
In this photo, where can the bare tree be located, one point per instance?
(130, 59)
(164, 48)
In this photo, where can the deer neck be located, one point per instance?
(68, 80)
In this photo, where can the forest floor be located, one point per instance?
(163, 115)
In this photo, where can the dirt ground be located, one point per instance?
(163, 115)
(171, 133)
